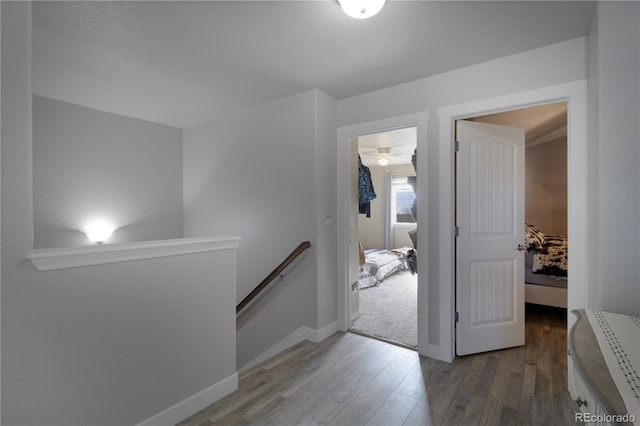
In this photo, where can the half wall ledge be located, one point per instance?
(75, 257)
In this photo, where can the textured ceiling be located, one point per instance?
(181, 63)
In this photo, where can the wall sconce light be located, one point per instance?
(361, 9)
(99, 231)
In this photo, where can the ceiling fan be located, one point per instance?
(382, 155)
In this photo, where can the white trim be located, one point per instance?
(345, 133)
(75, 257)
(355, 315)
(575, 94)
(185, 409)
(302, 333)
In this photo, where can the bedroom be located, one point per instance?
(386, 302)
(545, 203)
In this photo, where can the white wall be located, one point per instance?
(268, 175)
(111, 344)
(89, 164)
(614, 78)
(546, 186)
(516, 73)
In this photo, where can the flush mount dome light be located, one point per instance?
(361, 9)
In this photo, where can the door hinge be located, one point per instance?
(457, 146)
(457, 317)
(456, 231)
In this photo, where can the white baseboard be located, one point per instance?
(303, 333)
(194, 403)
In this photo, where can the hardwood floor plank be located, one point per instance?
(475, 377)
(491, 413)
(421, 414)
(455, 413)
(394, 410)
(508, 417)
(473, 411)
(544, 373)
(231, 419)
(486, 377)
(532, 352)
(513, 359)
(261, 408)
(541, 412)
(513, 390)
(529, 380)
(414, 384)
(524, 411)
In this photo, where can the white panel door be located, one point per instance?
(490, 220)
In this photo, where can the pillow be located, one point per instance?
(533, 237)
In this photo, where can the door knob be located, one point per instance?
(522, 247)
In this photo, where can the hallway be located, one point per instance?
(349, 379)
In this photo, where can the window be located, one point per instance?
(402, 198)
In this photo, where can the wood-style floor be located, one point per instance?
(349, 379)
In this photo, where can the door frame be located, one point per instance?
(575, 94)
(344, 135)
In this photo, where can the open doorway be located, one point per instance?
(386, 291)
(545, 211)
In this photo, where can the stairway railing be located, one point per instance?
(276, 272)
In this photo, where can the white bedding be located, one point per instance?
(366, 280)
(382, 263)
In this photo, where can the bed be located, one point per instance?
(545, 269)
(378, 265)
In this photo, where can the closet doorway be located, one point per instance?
(384, 303)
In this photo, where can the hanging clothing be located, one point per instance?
(366, 193)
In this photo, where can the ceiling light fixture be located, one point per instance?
(361, 9)
(383, 156)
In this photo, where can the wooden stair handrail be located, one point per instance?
(294, 254)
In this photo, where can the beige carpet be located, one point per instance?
(390, 311)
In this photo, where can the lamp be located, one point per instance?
(99, 231)
(383, 156)
(361, 9)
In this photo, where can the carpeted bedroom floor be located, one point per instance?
(390, 310)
